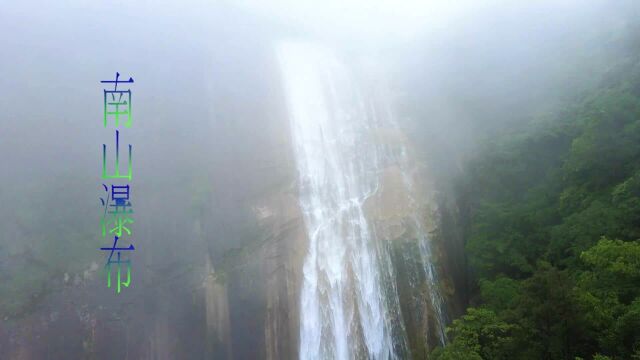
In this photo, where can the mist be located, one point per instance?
(372, 140)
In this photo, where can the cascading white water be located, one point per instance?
(347, 280)
(342, 305)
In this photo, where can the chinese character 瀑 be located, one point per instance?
(116, 207)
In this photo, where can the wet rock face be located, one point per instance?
(390, 207)
(216, 306)
(398, 214)
(281, 259)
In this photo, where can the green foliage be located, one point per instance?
(600, 357)
(550, 316)
(546, 203)
(618, 260)
(611, 294)
(479, 334)
(501, 293)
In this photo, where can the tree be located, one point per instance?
(479, 334)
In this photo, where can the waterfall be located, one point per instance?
(349, 307)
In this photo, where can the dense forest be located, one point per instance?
(553, 232)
